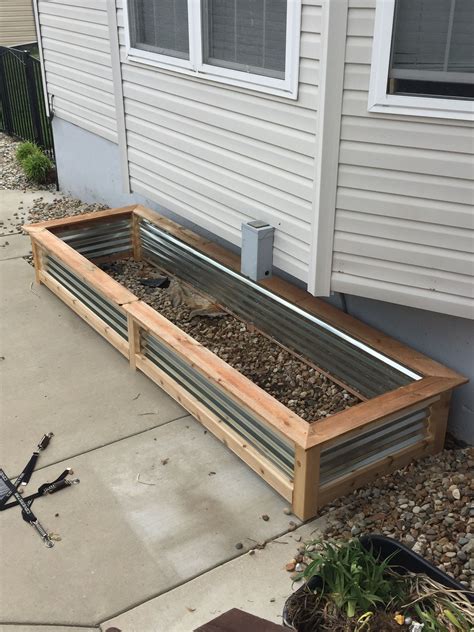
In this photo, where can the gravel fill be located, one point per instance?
(61, 207)
(12, 174)
(298, 386)
(428, 505)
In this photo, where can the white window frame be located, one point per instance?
(194, 66)
(380, 101)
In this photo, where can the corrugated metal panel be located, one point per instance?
(404, 222)
(105, 238)
(229, 411)
(220, 155)
(343, 357)
(76, 52)
(17, 23)
(98, 304)
(364, 448)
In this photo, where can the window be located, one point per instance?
(248, 43)
(423, 58)
(160, 27)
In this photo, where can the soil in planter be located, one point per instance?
(306, 615)
(295, 384)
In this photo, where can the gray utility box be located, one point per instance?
(257, 250)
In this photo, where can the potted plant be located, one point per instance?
(374, 584)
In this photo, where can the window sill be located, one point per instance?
(423, 106)
(215, 74)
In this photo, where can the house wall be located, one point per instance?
(218, 155)
(78, 66)
(404, 207)
(17, 22)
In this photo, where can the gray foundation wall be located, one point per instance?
(89, 169)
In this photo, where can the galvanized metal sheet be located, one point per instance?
(99, 239)
(238, 417)
(99, 305)
(370, 446)
(346, 358)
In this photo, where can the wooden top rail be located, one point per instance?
(74, 220)
(379, 409)
(270, 411)
(84, 268)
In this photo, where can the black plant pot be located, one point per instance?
(403, 558)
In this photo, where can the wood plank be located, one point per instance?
(372, 426)
(84, 268)
(241, 389)
(133, 341)
(358, 478)
(438, 420)
(37, 259)
(262, 466)
(236, 620)
(167, 225)
(65, 222)
(136, 242)
(85, 313)
(383, 408)
(306, 483)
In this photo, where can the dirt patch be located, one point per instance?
(295, 384)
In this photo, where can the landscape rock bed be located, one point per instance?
(428, 505)
(13, 176)
(300, 387)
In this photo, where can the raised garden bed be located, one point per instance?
(370, 404)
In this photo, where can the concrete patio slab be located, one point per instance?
(255, 583)
(58, 375)
(137, 526)
(14, 246)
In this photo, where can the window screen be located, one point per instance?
(433, 48)
(245, 35)
(160, 26)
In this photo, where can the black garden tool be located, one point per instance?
(9, 489)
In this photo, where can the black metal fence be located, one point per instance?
(22, 107)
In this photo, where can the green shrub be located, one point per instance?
(37, 167)
(24, 150)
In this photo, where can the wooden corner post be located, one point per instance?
(37, 258)
(438, 421)
(306, 482)
(133, 340)
(136, 241)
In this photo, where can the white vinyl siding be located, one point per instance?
(219, 155)
(17, 22)
(76, 51)
(404, 229)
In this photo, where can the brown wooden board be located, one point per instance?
(74, 221)
(239, 621)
